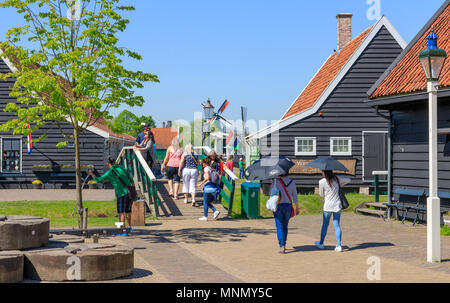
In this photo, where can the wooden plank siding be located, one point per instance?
(410, 146)
(94, 148)
(344, 113)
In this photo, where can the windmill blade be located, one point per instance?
(223, 106)
(222, 118)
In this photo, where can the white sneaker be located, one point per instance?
(338, 248)
(318, 245)
(203, 219)
(216, 214)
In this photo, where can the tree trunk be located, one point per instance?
(76, 139)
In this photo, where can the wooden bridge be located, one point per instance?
(155, 191)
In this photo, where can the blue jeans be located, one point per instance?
(207, 199)
(282, 216)
(241, 173)
(337, 228)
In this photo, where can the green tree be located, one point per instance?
(128, 123)
(72, 68)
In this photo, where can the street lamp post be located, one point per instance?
(208, 112)
(432, 60)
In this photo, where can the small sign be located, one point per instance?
(300, 168)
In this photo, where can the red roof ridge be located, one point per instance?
(407, 75)
(325, 76)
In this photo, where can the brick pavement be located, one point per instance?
(246, 250)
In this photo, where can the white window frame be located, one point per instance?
(21, 156)
(299, 153)
(349, 153)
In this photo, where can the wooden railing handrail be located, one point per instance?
(141, 160)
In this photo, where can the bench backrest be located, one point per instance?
(409, 195)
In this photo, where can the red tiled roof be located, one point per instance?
(164, 136)
(101, 124)
(408, 76)
(325, 76)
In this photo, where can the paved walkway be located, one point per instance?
(55, 195)
(246, 251)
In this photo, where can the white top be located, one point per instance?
(331, 194)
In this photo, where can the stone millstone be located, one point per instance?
(79, 262)
(11, 266)
(23, 232)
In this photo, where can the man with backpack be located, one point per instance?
(211, 187)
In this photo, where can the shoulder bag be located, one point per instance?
(290, 198)
(132, 194)
(342, 198)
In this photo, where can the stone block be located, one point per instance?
(79, 262)
(23, 232)
(364, 190)
(11, 266)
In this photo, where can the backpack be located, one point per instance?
(215, 176)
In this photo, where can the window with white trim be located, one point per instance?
(11, 155)
(305, 146)
(341, 146)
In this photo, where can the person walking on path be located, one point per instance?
(241, 168)
(329, 189)
(120, 179)
(146, 148)
(171, 165)
(210, 188)
(230, 165)
(188, 169)
(286, 189)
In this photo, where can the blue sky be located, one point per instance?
(256, 53)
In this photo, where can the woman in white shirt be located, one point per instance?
(329, 189)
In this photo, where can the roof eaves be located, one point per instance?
(408, 48)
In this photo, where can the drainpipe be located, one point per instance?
(389, 152)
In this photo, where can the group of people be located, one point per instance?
(329, 186)
(184, 164)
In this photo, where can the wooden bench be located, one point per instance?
(412, 200)
(402, 201)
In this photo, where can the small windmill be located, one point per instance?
(211, 117)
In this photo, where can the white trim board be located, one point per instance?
(327, 92)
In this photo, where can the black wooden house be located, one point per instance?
(330, 118)
(402, 91)
(52, 166)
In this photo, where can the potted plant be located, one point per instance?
(37, 184)
(92, 184)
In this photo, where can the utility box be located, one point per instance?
(250, 200)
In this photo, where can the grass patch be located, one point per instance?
(101, 213)
(445, 230)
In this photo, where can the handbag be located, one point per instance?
(290, 198)
(342, 197)
(132, 193)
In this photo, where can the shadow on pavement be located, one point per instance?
(199, 235)
(369, 245)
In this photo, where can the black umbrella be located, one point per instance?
(327, 164)
(268, 168)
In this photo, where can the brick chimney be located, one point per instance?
(344, 30)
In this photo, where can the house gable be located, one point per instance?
(383, 23)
